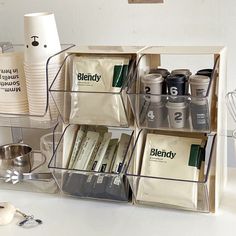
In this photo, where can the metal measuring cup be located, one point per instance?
(18, 157)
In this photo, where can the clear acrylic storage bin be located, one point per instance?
(87, 183)
(169, 192)
(47, 115)
(170, 111)
(92, 107)
(193, 116)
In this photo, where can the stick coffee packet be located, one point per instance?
(98, 80)
(175, 158)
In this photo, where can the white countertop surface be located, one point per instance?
(70, 216)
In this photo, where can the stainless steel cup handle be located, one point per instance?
(44, 159)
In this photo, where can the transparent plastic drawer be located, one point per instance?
(42, 112)
(83, 183)
(169, 192)
(90, 107)
(164, 108)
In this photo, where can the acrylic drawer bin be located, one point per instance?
(168, 192)
(159, 111)
(46, 115)
(149, 115)
(90, 107)
(90, 184)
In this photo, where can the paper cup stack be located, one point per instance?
(12, 84)
(41, 42)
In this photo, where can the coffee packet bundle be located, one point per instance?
(98, 80)
(170, 157)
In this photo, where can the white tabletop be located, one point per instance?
(68, 216)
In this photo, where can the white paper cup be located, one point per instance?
(177, 114)
(199, 85)
(41, 37)
(12, 81)
(54, 60)
(37, 88)
(152, 84)
(43, 66)
(14, 105)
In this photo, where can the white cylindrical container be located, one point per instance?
(152, 84)
(177, 114)
(199, 85)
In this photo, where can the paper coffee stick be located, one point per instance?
(121, 151)
(86, 150)
(68, 142)
(109, 155)
(101, 151)
(101, 130)
(89, 164)
(77, 144)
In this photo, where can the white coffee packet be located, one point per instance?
(101, 151)
(68, 143)
(99, 73)
(79, 137)
(98, 80)
(170, 157)
(109, 155)
(119, 160)
(95, 151)
(86, 150)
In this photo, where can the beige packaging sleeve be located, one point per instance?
(175, 166)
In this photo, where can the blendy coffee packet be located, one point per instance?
(98, 81)
(170, 157)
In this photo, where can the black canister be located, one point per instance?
(187, 74)
(164, 73)
(199, 114)
(206, 72)
(176, 84)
